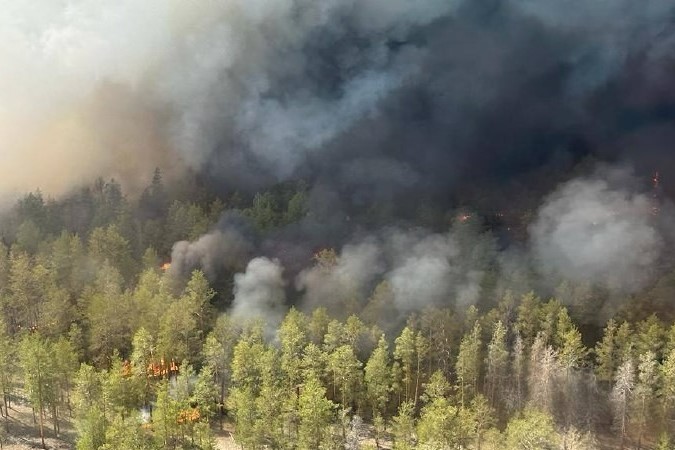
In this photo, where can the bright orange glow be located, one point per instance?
(166, 266)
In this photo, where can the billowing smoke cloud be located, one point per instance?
(598, 230)
(71, 97)
(259, 292)
(226, 248)
(376, 103)
(346, 279)
(233, 78)
(253, 92)
(422, 268)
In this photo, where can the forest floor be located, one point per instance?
(23, 433)
(20, 432)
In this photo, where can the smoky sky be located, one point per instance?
(375, 100)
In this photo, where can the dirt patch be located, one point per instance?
(21, 432)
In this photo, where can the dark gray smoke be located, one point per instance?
(381, 105)
(226, 248)
(384, 100)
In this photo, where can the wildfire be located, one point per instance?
(166, 266)
(190, 415)
(155, 369)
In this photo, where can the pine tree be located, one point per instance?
(346, 374)
(218, 350)
(606, 354)
(293, 338)
(622, 395)
(165, 418)
(468, 365)
(7, 366)
(667, 387)
(404, 354)
(316, 414)
(533, 430)
(439, 425)
(645, 391)
(39, 378)
(543, 371)
(377, 378)
(496, 362)
(519, 370)
(404, 427)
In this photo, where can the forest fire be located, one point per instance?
(346, 224)
(155, 369)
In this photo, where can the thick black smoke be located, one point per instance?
(377, 100)
(485, 103)
(482, 94)
(383, 106)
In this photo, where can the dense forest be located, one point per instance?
(337, 224)
(99, 330)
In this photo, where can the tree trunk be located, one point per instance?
(221, 406)
(5, 399)
(42, 429)
(57, 428)
(623, 426)
(417, 382)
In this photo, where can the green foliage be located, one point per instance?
(664, 443)
(440, 425)
(346, 375)
(91, 429)
(127, 435)
(378, 378)
(107, 245)
(293, 338)
(606, 353)
(533, 430)
(468, 365)
(36, 359)
(82, 283)
(316, 415)
(404, 427)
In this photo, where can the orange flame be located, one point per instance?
(166, 266)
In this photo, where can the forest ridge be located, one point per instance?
(95, 329)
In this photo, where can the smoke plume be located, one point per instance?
(226, 248)
(253, 92)
(422, 268)
(259, 292)
(347, 278)
(382, 106)
(598, 230)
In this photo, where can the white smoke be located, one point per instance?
(259, 292)
(598, 230)
(349, 278)
(422, 269)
